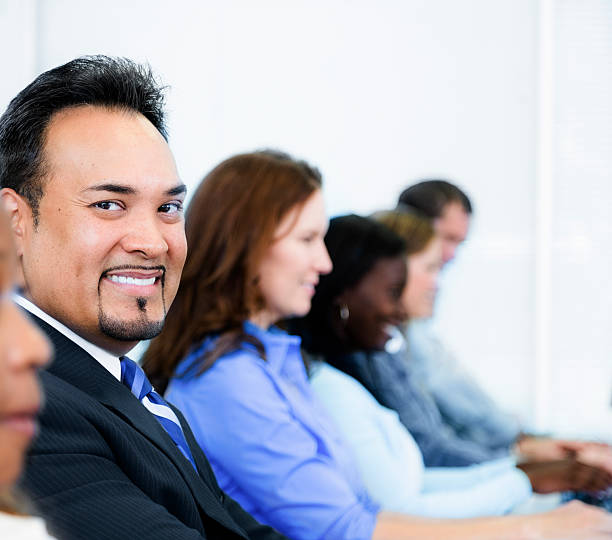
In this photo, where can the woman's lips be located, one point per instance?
(24, 423)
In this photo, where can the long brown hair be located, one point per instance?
(230, 223)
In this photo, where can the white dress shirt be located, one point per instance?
(22, 528)
(108, 360)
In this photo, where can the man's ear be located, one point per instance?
(19, 213)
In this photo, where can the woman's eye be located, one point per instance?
(171, 208)
(396, 292)
(107, 205)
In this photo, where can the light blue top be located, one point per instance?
(270, 442)
(464, 405)
(391, 464)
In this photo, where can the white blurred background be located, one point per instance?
(511, 99)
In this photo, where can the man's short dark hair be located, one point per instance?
(116, 83)
(430, 197)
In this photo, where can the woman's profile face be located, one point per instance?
(374, 304)
(423, 270)
(290, 269)
(23, 349)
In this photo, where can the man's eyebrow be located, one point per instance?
(177, 190)
(129, 190)
(113, 188)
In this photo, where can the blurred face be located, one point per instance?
(452, 228)
(23, 349)
(289, 271)
(423, 269)
(374, 304)
(107, 254)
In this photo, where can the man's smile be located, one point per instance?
(139, 281)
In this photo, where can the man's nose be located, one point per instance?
(144, 235)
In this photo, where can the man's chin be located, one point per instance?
(130, 330)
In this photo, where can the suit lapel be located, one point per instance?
(75, 366)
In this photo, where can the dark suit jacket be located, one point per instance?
(102, 466)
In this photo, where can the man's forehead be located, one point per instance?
(453, 215)
(92, 118)
(94, 146)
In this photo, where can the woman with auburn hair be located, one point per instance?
(230, 224)
(23, 350)
(255, 230)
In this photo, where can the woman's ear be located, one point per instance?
(342, 306)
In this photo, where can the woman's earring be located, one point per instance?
(344, 312)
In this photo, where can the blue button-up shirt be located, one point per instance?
(271, 443)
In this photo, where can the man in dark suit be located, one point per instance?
(96, 210)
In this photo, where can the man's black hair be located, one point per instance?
(90, 80)
(430, 197)
(355, 244)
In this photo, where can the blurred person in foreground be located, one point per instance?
(255, 228)
(23, 350)
(95, 206)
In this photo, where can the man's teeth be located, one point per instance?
(131, 280)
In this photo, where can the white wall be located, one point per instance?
(18, 39)
(582, 226)
(378, 94)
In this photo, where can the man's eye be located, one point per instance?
(171, 208)
(107, 205)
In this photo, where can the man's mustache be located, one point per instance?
(135, 267)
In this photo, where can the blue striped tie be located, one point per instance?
(135, 379)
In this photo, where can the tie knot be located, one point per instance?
(134, 378)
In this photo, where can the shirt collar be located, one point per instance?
(280, 346)
(109, 361)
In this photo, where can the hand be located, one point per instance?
(572, 521)
(597, 455)
(565, 475)
(533, 448)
